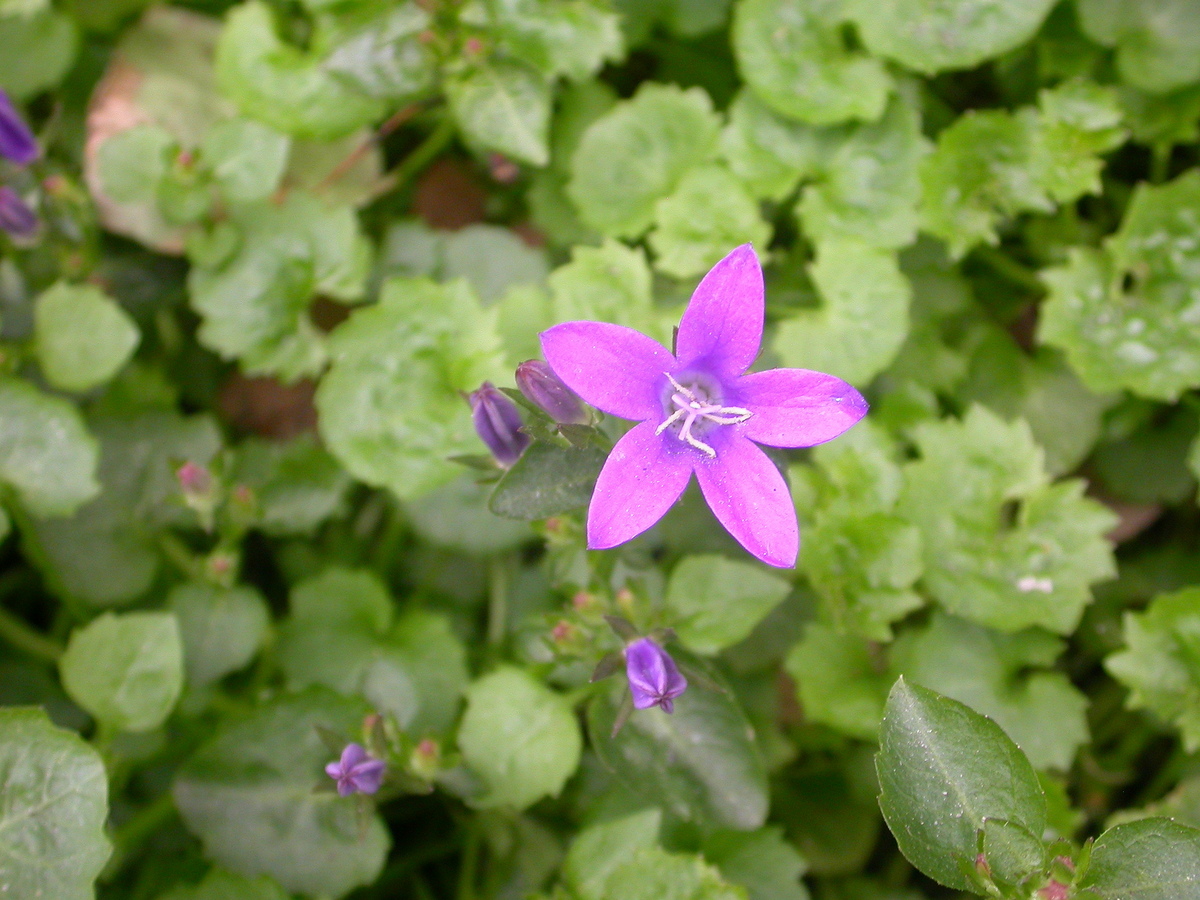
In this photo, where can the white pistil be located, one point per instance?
(689, 407)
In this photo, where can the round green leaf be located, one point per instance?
(1153, 859)
(83, 337)
(504, 107)
(222, 628)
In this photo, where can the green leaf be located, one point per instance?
(83, 337)
(1161, 661)
(1157, 43)
(869, 185)
(297, 485)
(547, 480)
(106, 553)
(247, 159)
(1013, 853)
(385, 58)
(761, 861)
(456, 516)
(792, 54)
(934, 35)
(248, 795)
(46, 453)
(841, 680)
(504, 107)
(699, 763)
(1003, 547)
(254, 299)
(1150, 464)
(519, 737)
(600, 849)
(609, 283)
(54, 808)
(220, 885)
(126, 670)
(390, 406)
(944, 770)
(716, 602)
(343, 634)
(281, 85)
(636, 154)
(1123, 314)
(133, 163)
(768, 153)
(36, 51)
(654, 874)
(862, 321)
(1154, 859)
(222, 628)
(573, 38)
(709, 212)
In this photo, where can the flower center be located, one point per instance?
(691, 408)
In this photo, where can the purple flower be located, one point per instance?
(546, 391)
(17, 142)
(356, 772)
(498, 423)
(699, 413)
(654, 679)
(15, 215)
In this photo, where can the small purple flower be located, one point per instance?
(356, 772)
(17, 142)
(700, 413)
(654, 679)
(16, 217)
(498, 423)
(546, 391)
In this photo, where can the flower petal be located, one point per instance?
(614, 368)
(797, 407)
(722, 326)
(749, 497)
(642, 478)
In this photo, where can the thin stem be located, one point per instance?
(497, 623)
(1160, 162)
(17, 632)
(470, 863)
(355, 156)
(421, 156)
(1009, 268)
(180, 555)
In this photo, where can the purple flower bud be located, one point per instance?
(357, 772)
(15, 215)
(17, 142)
(654, 679)
(546, 391)
(498, 424)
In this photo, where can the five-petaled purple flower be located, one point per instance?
(654, 679)
(357, 772)
(17, 142)
(699, 413)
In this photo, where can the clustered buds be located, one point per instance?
(654, 679)
(545, 390)
(498, 424)
(357, 772)
(19, 146)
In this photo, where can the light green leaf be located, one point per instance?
(385, 58)
(248, 795)
(600, 849)
(654, 874)
(1125, 314)
(53, 810)
(126, 670)
(1003, 547)
(222, 628)
(390, 406)
(281, 85)
(709, 213)
(246, 159)
(716, 602)
(504, 107)
(1161, 662)
(793, 55)
(768, 153)
(297, 485)
(36, 51)
(519, 737)
(863, 318)
(841, 680)
(609, 283)
(1158, 42)
(46, 453)
(762, 861)
(220, 885)
(933, 35)
(636, 153)
(572, 38)
(1154, 859)
(943, 771)
(83, 337)
(132, 163)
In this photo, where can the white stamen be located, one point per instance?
(689, 407)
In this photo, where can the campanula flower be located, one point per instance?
(654, 679)
(16, 217)
(546, 391)
(356, 772)
(498, 423)
(17, 142)
(701, 414)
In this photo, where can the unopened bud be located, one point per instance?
(498, 424)
(16, 217)
(654, 679)
(194, 478)
(503, 169)
(17, 142)
(426, 759)
(1053, 890)
(473, 46)
(546, 391)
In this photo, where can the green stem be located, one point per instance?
(470, 863)
(23, 637)
(435, 142)
(1160, 162)
(1009, 268)
(180, 555)
(497, 623)
(128, 839)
